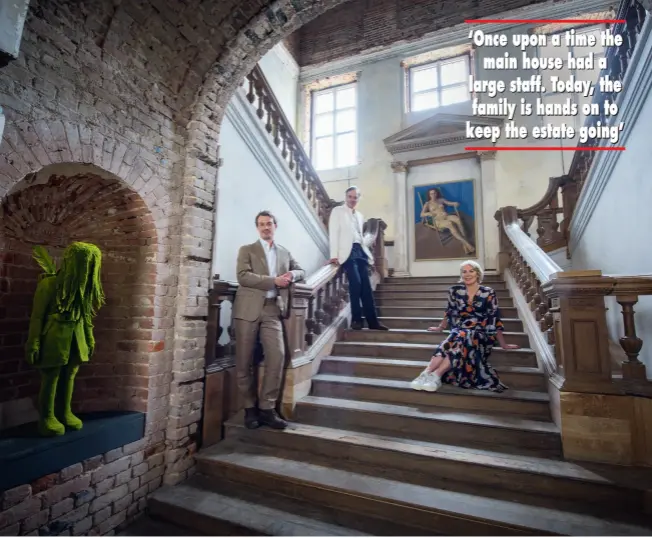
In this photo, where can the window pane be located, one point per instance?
(346, 150)
(424, 79)
(424, 101)
(346, 98)
(559, 99)
(323, 124)
(584, 50)
(454, 71)
(454, 94)
(323, 102)
(345, 121)
(324, 153)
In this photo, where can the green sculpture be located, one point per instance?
(61, 330)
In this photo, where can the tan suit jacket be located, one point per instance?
(255, 282)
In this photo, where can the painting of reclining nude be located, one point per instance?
(444, 215)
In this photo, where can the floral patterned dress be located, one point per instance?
(473, 326)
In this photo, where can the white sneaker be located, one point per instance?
(432, 383)
(420, 381)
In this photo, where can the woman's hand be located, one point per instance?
(510, 346)
(436, 329)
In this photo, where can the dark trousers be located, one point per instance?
(357, 272)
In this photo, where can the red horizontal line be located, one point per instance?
(544, 148)
(544, 21)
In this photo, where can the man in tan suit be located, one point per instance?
(265, 271)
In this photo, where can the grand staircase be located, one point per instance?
(366, 455)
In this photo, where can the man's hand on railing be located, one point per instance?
(332, 261)
(283, 281)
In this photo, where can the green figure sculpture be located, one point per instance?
(61, 330)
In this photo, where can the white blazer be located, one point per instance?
(340, 230)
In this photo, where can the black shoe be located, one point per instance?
(378, 327)
(356, 325)
(269, 417)
(251, 420)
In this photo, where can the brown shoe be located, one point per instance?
(356, 325)
(269, 417)
(378, 327)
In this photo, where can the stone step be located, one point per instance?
(429, 311)
(458, 468)
(429, 508)
(511, 325)
(414, 336)
(442, 302)
(503, 433)
(429, 288)
(534, 405)
(448, 279)
(515, 377)
(432, 295)
(499, 357)
(196, 505)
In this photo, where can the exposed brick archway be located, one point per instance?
(58, 205)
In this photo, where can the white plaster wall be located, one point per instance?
(244, 190)
(282, 73)
(442, 173)
(617, 237)
(521, 177)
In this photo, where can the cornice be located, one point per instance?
(636, 91)
(448, 37)
(243, 117)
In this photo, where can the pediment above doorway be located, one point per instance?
(440, 129)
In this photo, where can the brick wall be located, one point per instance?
(90, 497)
(138, 91)
(83, 207)
(358, 25)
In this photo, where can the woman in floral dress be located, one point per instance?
(474, 320)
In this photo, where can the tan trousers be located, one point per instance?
(270, 326)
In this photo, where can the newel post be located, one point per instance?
(503, 215)
(580, 329)
(380, 258)
(295, 325)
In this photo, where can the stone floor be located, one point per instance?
(146, 526)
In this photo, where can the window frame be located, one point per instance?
(467, 56)
(578, 121)
(334, 134)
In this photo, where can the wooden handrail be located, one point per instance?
(270, 112)
(618, 60)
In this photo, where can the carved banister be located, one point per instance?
(280, 129)
(634, 14)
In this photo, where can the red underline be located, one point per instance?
(543, 21)
(543, 148)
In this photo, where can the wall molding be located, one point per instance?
(449, 37)
(243, 117)
(636, 90)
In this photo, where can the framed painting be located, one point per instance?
(445, 221)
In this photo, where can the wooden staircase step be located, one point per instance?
(214, 513)
(513, 402)
(504, 433)
(428, 508)
(430, 311)
(415, 323)
(515, 377)
(434, 464)
(416, 336)
(410, 294)
(442, 302)
(449, 280)
(499, 357)
(387, 285)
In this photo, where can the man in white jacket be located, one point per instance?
(350, 250)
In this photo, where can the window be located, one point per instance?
(439, 83)
(334, 140)
(578, 52)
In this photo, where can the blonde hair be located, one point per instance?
(476, 268)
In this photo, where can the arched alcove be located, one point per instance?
(53, 207)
